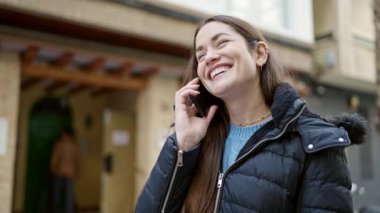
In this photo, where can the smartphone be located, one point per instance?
(201, 113)
(203, 101)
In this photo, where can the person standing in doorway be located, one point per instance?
(65, 169)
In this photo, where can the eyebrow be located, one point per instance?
(213, 39)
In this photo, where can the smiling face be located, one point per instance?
(226, 66)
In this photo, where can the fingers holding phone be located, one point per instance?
(190, 129)
(182, 95)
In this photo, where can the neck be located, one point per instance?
(248, 107)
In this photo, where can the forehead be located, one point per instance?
(209, 30)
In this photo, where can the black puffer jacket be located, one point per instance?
(296, 163)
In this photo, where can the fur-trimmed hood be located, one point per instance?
(286, 101)
(354, 124)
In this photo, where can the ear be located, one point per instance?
(262, 52)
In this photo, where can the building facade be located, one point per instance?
(344, 61)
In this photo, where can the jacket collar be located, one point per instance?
(286, 105)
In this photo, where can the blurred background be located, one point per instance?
(109, 69)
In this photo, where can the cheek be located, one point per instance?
(200, 71)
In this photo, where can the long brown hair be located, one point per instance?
(202, 192)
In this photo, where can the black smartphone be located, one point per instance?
(203, 101)
(201, 113)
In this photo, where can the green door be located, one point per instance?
(47, 118)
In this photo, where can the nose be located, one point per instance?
(211, 58)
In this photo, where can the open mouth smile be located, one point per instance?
(217, 70)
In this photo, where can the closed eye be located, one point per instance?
(200, 57)
(222, 43)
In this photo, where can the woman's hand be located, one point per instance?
(190, 130)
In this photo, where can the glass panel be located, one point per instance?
(280, 17)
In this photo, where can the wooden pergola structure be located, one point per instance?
(75, 69)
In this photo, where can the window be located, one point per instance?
(287, 18)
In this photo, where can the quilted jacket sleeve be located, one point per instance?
(326, 183)
(169, 180)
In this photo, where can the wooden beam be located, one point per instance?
(86, 79)
(176, 69)
(64, 60)
(30, 54)
(150, 71)
(95, 65)
(123, 70)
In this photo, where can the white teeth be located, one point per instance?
(218, 71)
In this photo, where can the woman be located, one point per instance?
(245, 141)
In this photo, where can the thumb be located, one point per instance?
(211, 113)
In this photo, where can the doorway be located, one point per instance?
(117, 190)
(48, 117)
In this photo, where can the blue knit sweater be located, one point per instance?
(236, 139)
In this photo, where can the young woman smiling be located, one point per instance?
(257, 148)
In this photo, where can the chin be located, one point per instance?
(219, 92)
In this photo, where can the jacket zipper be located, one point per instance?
(219, 186)
(179, 163)
(222, 175)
